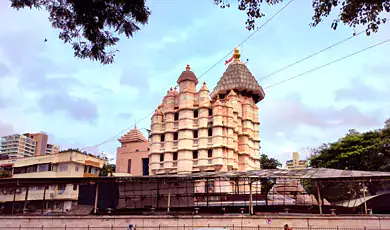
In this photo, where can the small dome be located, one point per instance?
(204, 88)
(187, 75)
(217, 102)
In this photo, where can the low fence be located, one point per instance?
(184, 227)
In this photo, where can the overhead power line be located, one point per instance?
(327, 64)
(312, 55)
(208, 70)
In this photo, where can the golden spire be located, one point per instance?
(236, 54)
(188, 67)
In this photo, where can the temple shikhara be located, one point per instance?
(195, 131)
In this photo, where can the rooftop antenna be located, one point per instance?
(135, 123)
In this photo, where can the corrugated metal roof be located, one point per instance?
(309, 173)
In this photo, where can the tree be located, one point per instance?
(4, 173)
(107, 170)
(268, 183)
(351, 12)
(92, 26)
(368, 151)
(268, 163)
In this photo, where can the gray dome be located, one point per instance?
(238, 77)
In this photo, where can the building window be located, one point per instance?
(76, 168)
(210, 112)
(63, 167)
(145, 166)
(209, 186)
(210, 132)
(195, 133)
(137, 150)
(175, 136)
(176, 116)
(147, 149)
(129, 166)
(195, 154)
(175, 156)
(162, 137)
(43, 168)
(210, 153)
(162, 157)
(196, 113)
(74, 187)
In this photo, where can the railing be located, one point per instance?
(210, 141)
(196, 122)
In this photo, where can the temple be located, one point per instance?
(195, 131)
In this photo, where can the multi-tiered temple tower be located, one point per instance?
(194, 131)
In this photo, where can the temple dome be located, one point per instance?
(187, 75)
(238, 77)
(133, 135)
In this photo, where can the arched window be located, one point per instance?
(210, 132)
(162, 137)
(175, 136)
(176, 116)
(196, 113)
(195, 133)
(210, 112)
(210, 153)
(195, 154)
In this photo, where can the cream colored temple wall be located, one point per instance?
(193, 132)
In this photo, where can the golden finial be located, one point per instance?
(204, 83)
(236, 54)
(188, 67)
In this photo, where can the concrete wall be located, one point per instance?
(360, 222)
(129, 151)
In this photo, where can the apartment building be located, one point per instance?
(296, 163)
(58, 198)
(27, 145)
(195, 131)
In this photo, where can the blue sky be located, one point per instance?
(81, 103)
